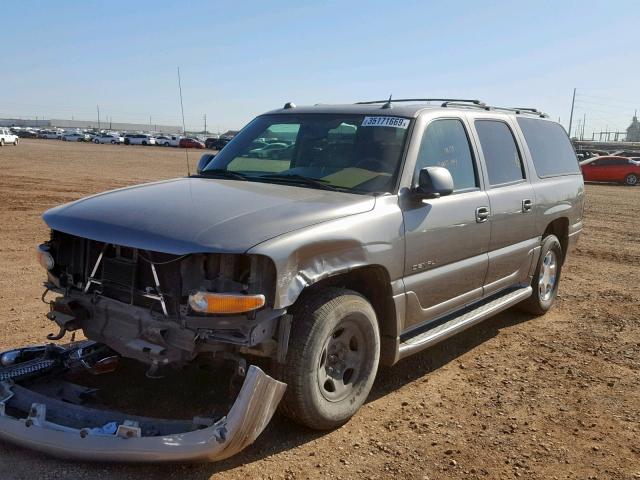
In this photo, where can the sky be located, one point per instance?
(239, 59)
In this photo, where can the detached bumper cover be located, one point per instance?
(249, 415)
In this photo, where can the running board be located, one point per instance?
(452, 325)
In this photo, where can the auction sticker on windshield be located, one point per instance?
(396, 122)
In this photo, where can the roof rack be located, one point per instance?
(523, 111)
(445, 100)
(461, 102)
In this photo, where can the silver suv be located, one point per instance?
(387, 227)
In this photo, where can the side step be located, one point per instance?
(449, 326)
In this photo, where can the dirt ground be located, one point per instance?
(552, 397)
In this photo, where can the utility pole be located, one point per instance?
(150, 129)
(584, 121)
(573, 102)
(205, 123)
(98, 108)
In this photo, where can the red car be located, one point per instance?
(190, 143)
(611, 169)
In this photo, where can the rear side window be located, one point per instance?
(550, 147)
(500, 151)
(445, 144)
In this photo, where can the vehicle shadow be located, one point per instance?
(282, 434)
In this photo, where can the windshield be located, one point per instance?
(354, 153)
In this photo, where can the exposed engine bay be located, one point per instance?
(162, 309)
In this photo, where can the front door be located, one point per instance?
(447, 238)
(511, 198)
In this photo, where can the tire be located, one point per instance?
(126, 141)
(144, 143)
(64, 139)
(96, 141)
(15, 142)
(113, 142)
(1, 142)
(631, 180)
(546, 278)
(333, 331)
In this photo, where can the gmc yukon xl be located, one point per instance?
(389, 226)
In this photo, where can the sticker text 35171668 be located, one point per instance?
(396, 122)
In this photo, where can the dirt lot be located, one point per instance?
(547, 398)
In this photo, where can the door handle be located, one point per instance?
(482, 214)
(527, 205)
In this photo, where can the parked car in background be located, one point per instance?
(191, 143)
(26, 133)
(7, 137)
(216, 143)
(139, 139)
(49, 134)
(271, 150)
(75, 137)
(611, 169)
(168, 140)
(108, 138)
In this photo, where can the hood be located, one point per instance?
(191, 215)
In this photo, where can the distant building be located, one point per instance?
(633, 132)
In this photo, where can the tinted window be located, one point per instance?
(500, 152)
(550, 147)
(445, 144)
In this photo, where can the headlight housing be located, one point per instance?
(45, 259)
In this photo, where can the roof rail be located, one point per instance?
(523, 111)
(446, 100)
(456, 103)
(459, 102)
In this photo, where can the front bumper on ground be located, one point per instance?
(247, 418)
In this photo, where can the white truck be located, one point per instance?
(7, 137)
(168, 140)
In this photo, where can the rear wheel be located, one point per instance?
(15, 142)
(96, 141)
(1, 142)
(332, 360)
(631, 180)
(546, 278)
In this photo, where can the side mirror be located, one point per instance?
(204, 161)
(434, 182)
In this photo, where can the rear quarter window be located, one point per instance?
(550, 147)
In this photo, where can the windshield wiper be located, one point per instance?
(222, 173)
(295, 178)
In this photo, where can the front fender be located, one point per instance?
(307, 256)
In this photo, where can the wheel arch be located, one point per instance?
(560, 228)
(373, 283)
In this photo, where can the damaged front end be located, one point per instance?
(43, 408)
(161, 328)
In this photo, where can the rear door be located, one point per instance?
(446, 243)
(512, 200)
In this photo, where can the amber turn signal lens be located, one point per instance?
(207, 302)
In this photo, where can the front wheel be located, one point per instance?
(1, 142)
(332, 360)
(631, 180)
(96, 141)
(15, 142)
(546, 278)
